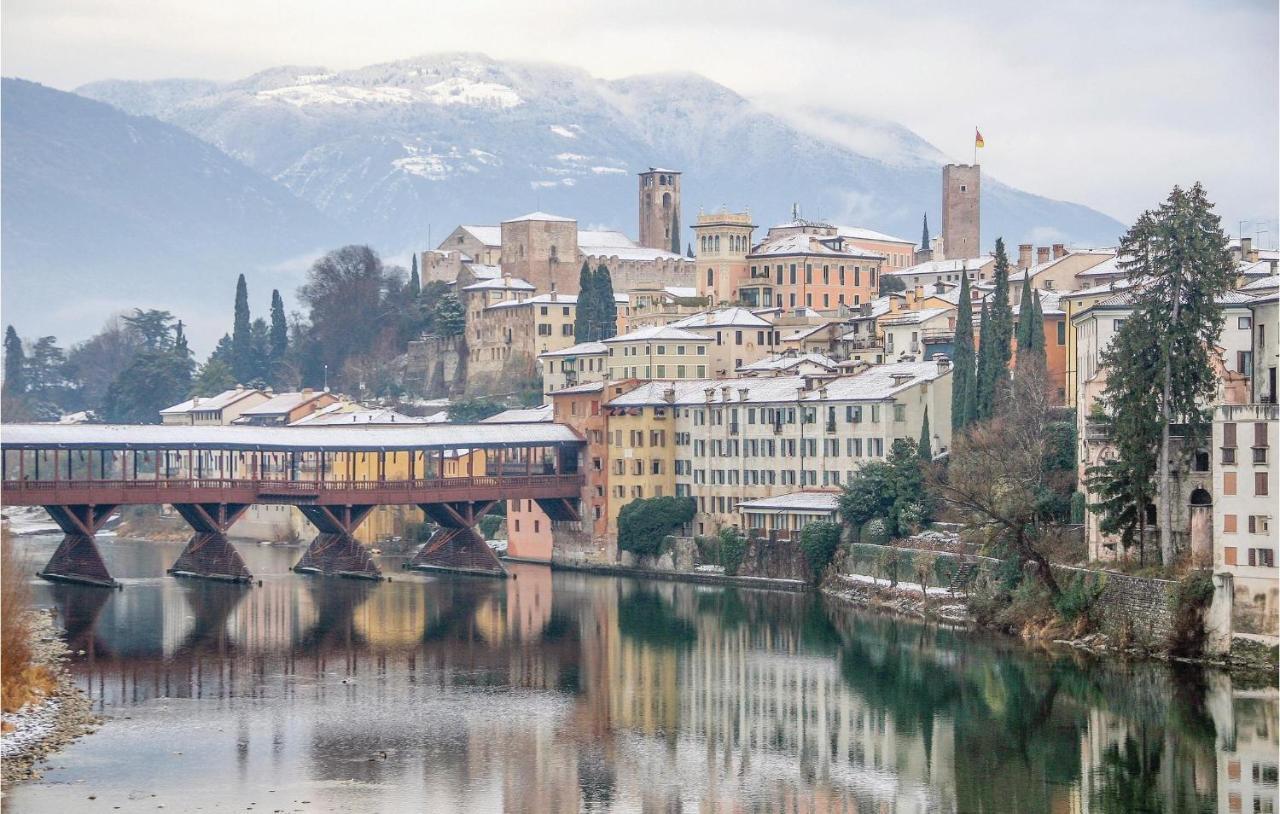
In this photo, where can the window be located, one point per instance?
(1259, 524)
(544, 329)
(1229, 527)
(1244, 323)
(1229, 555)
(1264, 557)
(566, 329)
(899, 412)
(1260, 434)
(1200, 461)
(1228, 483)
(1062, 332)
(1260, 484)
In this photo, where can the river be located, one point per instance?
(560, 691)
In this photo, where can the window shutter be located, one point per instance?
(1229, 434)
(1260, 434)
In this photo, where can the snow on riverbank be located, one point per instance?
(22, 520)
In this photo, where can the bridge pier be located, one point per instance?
(209, 554)
(456, 546)
(77, 558)
(334, 551)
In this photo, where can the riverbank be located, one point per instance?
(42, 728)
(701, 577)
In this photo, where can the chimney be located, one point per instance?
(1246, 249)
(195, 401)
(725, 390)
(822, 392)
(1042, 254)
(1059, 250)
(743, 392)
(710, 393)
(919, 292)
(669, 395)
(1024, 255)
(944, 364)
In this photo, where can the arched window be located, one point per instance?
(666, 200)
(711, 278)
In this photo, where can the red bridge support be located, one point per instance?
(456, 546)
(77, 558)
(209, 554)
(334, 552)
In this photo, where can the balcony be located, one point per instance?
(831, 426)
(777, 428)
(733, 428)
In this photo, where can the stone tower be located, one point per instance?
(660, 209)
(723, 241)
(961, 233)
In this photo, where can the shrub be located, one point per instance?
(22, 679)
(924, 566)
(887, 564)
(1078, 596)
(819, 541)
(1029, 602)
(733, 549)
(1078, 505)
(489, 525)
(645, 522)
(875, 532)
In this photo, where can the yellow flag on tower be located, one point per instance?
(977, 138)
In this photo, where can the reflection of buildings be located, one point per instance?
(1248, 762)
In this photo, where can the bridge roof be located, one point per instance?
(331, 438)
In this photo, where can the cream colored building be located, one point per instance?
(662, 352)
(909, 334)
(978, 269)
(722, 241)
(725, 441)
(736, 337)
(652, 306)
(584, 363)
(221, 409)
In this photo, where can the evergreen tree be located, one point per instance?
(450, 318)
(997, 334)
(584, 318)
(259, 353)
(962, 371)
(15, 364)
(688, 252)
(982, 374)
(924, 234)
(279, 328)
(1177, 258)
(158, 376)
(925, 447)
(222, 351)
(605, 306)
(214, 377)
(1022, 338)
(415, 282)
(241, 339)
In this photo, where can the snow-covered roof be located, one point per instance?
(1040, 268)
(580, 349)
(803, 501)
(876, 383)
(540, 216)
(522, 415)
(806, 331)
(1263, 283)
(828, 245)
(490, 236)
(481, 272)
(340, 415)
(664, 332)
(629, 253)
(540, 299)
(1107, 268)
(732, 317)
(224, 399)
(785, 361)
(283, 403)
(603, 238)
(879, 307)
(1258, 268)
(941, 267)
(914, 317)
(859, 233)
(501, 284)
(589, 387)
(362, 437)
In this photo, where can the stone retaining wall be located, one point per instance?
(1138, 609)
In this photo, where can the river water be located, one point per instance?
(558, 691)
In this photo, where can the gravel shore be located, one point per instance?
(38, 730)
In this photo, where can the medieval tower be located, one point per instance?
(660, 209)
(961, 233)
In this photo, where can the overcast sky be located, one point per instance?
(1102, 102)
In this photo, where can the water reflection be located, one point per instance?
(557, 691)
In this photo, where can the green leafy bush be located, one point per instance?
(1078, 595)
(489, 526)
(645, 522)
(733, 549)
(819, 541)
(1195, 592)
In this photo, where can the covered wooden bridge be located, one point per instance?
(82, 473)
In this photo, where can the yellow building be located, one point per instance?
(641, 455)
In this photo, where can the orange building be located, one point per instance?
(1055, 345)
(811, 265)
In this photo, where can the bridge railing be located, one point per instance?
(277, 487)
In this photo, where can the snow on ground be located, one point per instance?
(461, 91)
(31, 725)
(901, 586)
(28, 520)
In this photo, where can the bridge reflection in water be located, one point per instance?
(555, 691)
(81, 474)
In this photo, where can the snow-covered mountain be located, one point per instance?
(394, 150)
(105, 211)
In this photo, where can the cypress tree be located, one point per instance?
(241, 338)
(982, 376)
(15, 364)
(962, 371)
(1023, 338)
(279, 328)
(924, 234)
(997, 335)
(925, 447)
(584, 315)
(415, 282)
(606, 306)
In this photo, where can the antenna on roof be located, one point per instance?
(795, 211)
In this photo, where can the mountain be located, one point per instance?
(398, 149)
(104, 211)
